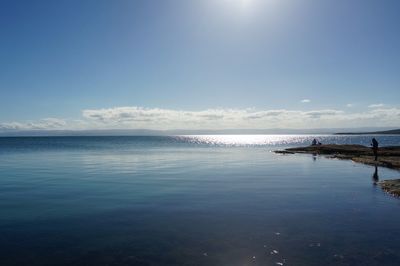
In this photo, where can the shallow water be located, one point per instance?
(191, 200)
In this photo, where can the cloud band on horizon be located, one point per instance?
(133, 117)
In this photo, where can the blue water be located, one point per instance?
(192, 200)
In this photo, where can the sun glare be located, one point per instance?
(245, 3)
(241, 4)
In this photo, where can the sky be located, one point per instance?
(199, 64)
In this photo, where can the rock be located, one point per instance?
(284, 152)
(387, 156)
(391, 186)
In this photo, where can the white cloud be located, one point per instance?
(306, 101)
(164, 119)
(156, 118)
(376, 105)
(321, 113)
(349, 105)
(43, 124)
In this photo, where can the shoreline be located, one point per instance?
(388, 157)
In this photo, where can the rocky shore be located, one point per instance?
(387, 157)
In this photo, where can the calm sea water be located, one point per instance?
(192, 200)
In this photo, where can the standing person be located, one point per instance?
(375, 145)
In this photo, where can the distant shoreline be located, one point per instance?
(386, 132)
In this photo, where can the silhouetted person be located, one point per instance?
(375, 145)
(375, 176)
(314, 142)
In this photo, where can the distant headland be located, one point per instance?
(385, 132)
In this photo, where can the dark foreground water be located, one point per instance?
(206, 200)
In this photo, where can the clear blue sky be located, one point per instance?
(58, 58)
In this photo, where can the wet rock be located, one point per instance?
(391, 186)
(284, 152)
(387, 156)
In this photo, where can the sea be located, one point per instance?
(192, 200)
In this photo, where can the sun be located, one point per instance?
(245, 6)
(241, 3)
(245, 3)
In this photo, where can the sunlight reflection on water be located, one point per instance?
(246, 140)
(282, 140)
